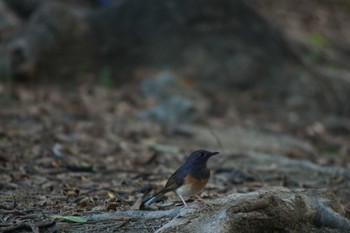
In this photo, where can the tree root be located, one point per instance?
(135, 214)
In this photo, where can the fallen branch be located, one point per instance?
(135, 214)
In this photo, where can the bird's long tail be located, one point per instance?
(154, 198)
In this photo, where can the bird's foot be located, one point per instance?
(199, 199)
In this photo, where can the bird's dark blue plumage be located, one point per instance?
(189, 179)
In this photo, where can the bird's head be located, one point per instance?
(200, 156)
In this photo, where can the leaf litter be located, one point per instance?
(67, 153)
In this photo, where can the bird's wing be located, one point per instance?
(176, 180)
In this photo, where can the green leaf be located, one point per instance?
(82, 69)
(105, 76)
(318, 40)
(71, 218)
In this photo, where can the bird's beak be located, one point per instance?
(214, 153)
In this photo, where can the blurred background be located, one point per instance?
(102, 91)
(272, 53)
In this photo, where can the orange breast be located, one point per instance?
(196, 184)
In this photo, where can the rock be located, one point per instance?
(226, 45)
(9, 23)
(49, 26)
(175, 102)
(225, 41)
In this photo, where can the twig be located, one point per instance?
(16, 227)
(28, 226)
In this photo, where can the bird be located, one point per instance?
(188, 180)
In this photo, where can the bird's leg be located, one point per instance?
(182, 199)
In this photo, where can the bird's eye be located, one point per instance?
(201, 154)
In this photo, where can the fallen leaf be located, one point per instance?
(137, 204)
(110, 194)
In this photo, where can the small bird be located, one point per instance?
(189, 179)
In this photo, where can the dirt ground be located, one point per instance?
(74, 149)
(77, 150)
